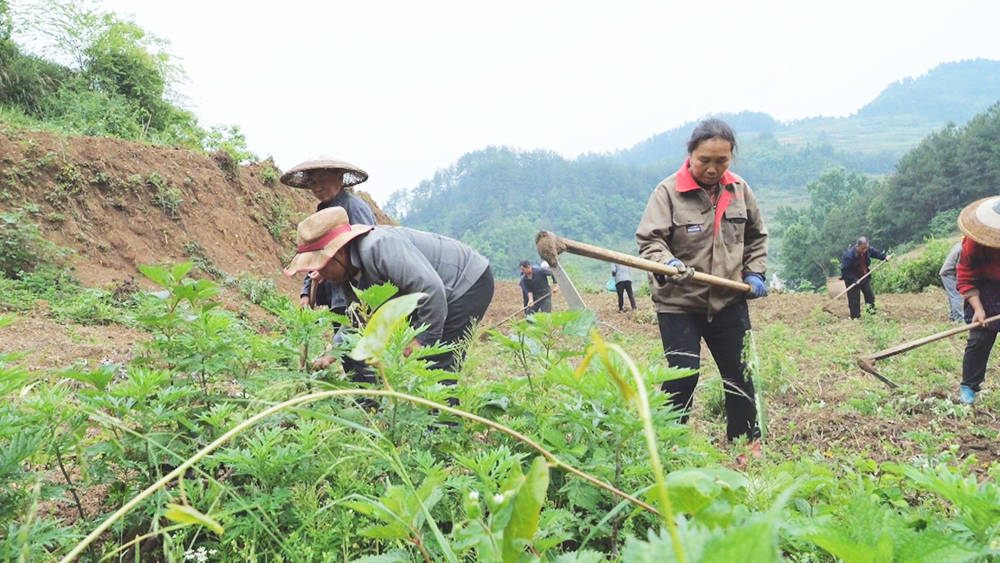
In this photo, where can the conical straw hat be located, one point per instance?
(298, 176)
(980, 221)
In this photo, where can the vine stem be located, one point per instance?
(182, 468)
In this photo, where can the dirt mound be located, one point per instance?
(119, 204)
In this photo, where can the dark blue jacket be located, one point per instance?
(850, 269)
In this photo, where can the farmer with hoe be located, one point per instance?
(855, 266)
(706, 218)
(536, 294)
(327, 180)
(979, 283)
(456, 279)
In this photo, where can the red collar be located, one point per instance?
(686, 182)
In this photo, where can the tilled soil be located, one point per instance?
(809, 416)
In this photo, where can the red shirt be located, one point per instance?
(977, 262)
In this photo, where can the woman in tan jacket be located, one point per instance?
(705, 218)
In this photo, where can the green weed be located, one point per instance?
(166, 198)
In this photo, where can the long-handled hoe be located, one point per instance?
(867, 363)
(852, 286)
(550, 246)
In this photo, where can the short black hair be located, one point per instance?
(525, 264)
(711, 129)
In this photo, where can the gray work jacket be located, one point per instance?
(417, 261)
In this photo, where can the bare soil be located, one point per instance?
(797, 425)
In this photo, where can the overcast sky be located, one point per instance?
(405, 88)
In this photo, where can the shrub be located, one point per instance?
(269, 175)
(22, 248)
(914, 274)
(75, 109)
(231, 141)
(944, 224)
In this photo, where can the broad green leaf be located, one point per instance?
(577, 323)
(376, 295)
(382, 324)
(183, 514)
(156, 273)
(99, 377)
(709, 495)
(180, 270)
(527, 507)
(755, 541)
(399, 508)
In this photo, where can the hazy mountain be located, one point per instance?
(496, 198)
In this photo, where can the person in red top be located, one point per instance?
(978, 274)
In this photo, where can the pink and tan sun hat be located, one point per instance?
(298, 176)
(980, 221)
(319, 237)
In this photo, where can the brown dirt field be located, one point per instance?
(815, 429)
(50, 345)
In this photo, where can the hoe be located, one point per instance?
(867, 363)
(550, 246)
(852, 286)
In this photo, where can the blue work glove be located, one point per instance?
(683, 275)
(757, 287)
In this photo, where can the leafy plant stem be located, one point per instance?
(524, 363)
(647, 424)
(423, 550)
(72, 487)
(236, 430)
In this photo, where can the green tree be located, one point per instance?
(123, 59)
(816, 236)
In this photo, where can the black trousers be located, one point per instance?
(623, 287)
(854, 297)
(462, 313)
(681, 334)
(977, 355)
(543, 305)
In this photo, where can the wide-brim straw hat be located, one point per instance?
(980, 221)
(319, 237)
(298, 176)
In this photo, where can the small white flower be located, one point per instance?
(498, 498)
(200, 555)
(473, 495)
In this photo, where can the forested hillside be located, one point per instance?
(496, 198)
(946, 171)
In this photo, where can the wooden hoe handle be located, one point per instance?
(606, 255)
(928, 339)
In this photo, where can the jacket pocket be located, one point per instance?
(688, 226)
(734, 224)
